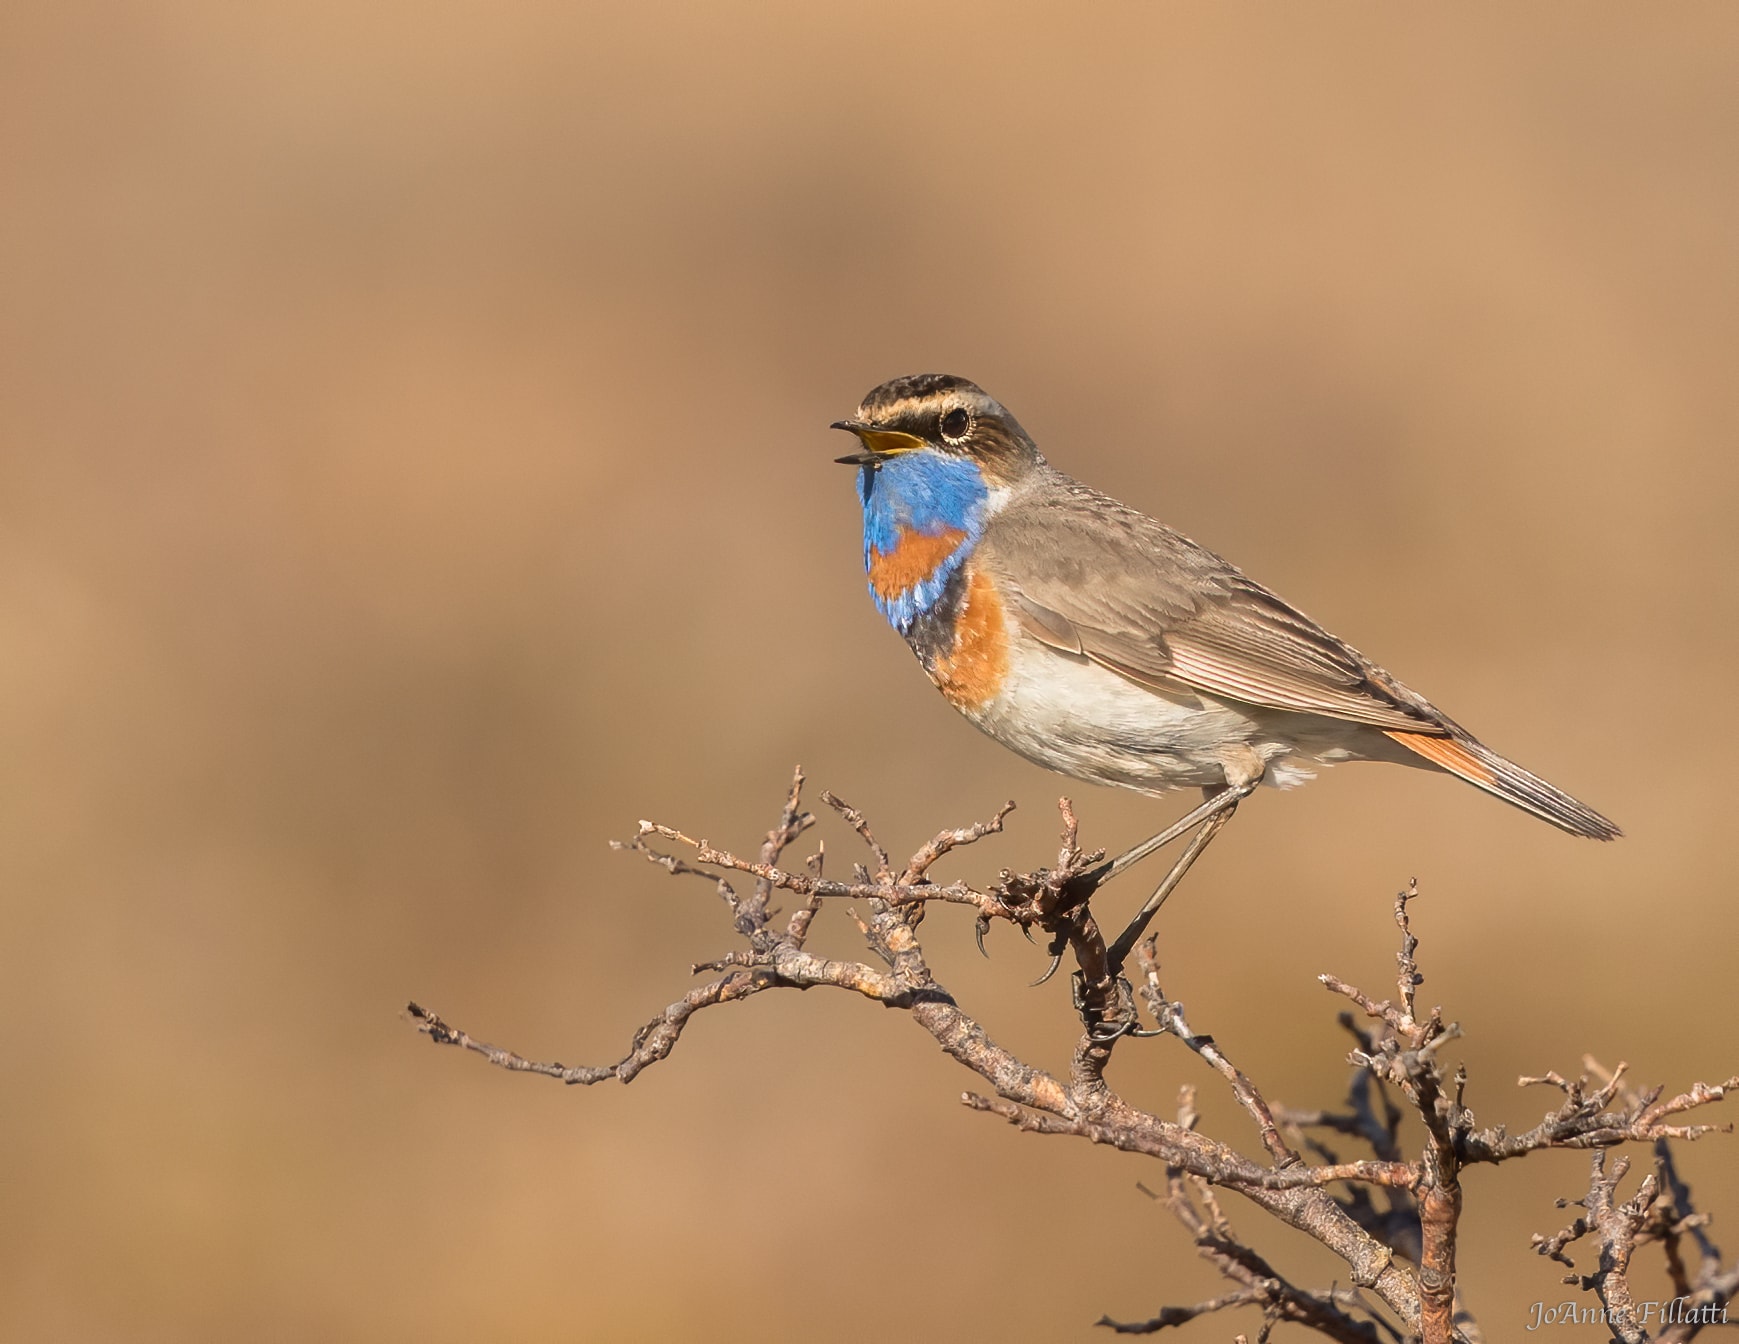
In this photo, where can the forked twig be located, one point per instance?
(1391, 1217)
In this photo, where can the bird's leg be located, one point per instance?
(1219, 800)
(1219, 809)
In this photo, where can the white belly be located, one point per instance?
(1074, 716)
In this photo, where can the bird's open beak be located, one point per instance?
(877, 443)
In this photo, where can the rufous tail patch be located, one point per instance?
(1448, 753)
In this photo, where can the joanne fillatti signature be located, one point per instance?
(1673, 1311)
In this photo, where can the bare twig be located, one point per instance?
(1616, 1227)
(1391, 1217)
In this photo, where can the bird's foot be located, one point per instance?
(1107, 1010)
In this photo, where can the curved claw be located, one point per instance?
(1026, 929)
(979, 929)
(1056, 961)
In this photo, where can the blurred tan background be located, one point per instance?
(415, 470)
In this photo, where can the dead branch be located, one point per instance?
(1392, 1217)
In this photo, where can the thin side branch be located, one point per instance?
(1392, 1217)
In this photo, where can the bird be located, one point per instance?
(1102, 644)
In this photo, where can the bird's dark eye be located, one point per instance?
(955, 424)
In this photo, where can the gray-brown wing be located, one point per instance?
(1091, 576)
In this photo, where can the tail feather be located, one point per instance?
(1485, 769)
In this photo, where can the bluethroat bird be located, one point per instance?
(1101, 644)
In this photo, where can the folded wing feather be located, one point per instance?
(1100, 580)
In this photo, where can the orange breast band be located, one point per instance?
(912, 560)
(972, 672)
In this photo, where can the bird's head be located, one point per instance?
(945, 419)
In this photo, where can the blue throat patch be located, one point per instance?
(927, 493)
